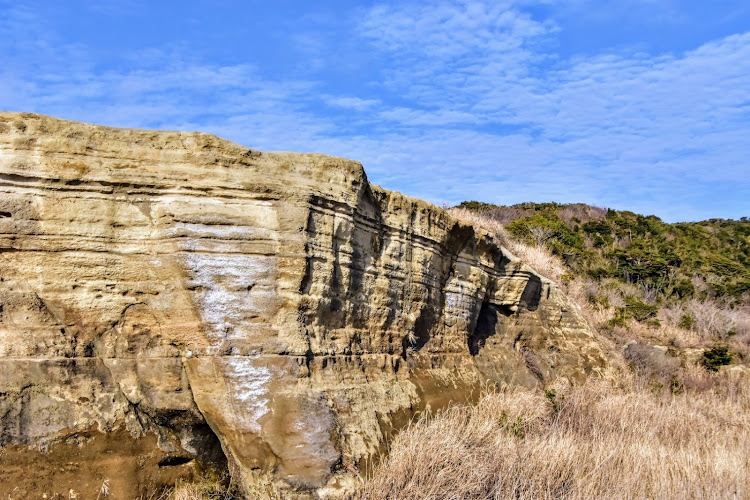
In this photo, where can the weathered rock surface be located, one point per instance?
(170, 299)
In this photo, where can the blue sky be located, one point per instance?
(632, 104)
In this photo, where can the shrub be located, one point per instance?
(600, 300)
(716, 357)
(654, 323)
(638, 310)
(555, 400)
(636, 248)
(686, 322)
(477, 206)
(548, 229)
(620, 318)
(684, 289)
(600, 273)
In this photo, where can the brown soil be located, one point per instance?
(78, 467)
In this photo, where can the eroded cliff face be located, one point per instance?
(172, 301)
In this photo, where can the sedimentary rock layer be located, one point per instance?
(273, 313)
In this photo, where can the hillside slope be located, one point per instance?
(707, 259)
(683, 285)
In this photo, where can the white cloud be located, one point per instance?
(614, 127)
(351, 102)
(468, 101)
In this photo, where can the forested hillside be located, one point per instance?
(707, 259)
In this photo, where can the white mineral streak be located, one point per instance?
(314, 431)
(222, 286)
(223, 293)
(454, 298)
(247, 389)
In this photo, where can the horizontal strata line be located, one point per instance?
(398, 235)
(115, 241)
(395, 274)
(138, 161)
(373, 224)
(238, 356)
(148, 254)
(21, 180)
(154, 244)
(350, 211)
(404, 234)
(43, 188)
(421, 242)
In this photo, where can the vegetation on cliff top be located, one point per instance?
(638, 279)
(708, 259)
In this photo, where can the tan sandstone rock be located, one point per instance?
(171, 301)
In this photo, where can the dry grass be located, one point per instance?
(712, 320)
(206, 488)
(592, 442)
(670, 429)
(538, 258)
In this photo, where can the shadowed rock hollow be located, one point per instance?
(172, 301)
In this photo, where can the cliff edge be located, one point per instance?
(171, 302)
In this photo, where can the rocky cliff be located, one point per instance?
(172, 302)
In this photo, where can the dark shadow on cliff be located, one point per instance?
(487, 324)
(532, 294)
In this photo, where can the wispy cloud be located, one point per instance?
(625, 128)
(351, 102)
(451, 101)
